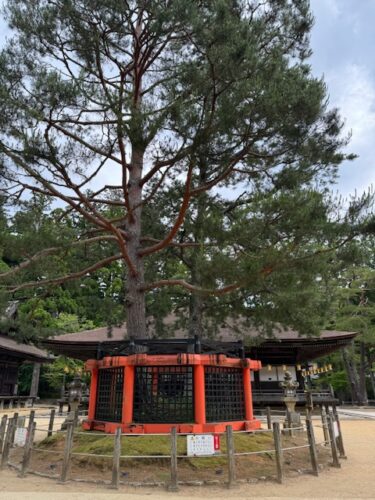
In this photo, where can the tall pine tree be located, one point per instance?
(109, 104)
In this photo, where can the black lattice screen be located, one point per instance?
(109, 394)
(163, 394)
(224, 394)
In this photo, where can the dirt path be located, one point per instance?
(356, 479)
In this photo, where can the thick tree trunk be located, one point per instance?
(196, 316)
(352, 374)
(135, 296)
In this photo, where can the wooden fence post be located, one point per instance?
(31, 419)
(324, 424)
(278, 451)
(51, 422)
(7, 444)
(173, 486)
(116, 460)
(312, 445)
(3, 427)
(332, 438)
(340, 442)
(269, 418)
(67, 452)
(27, 449)
(15, 422)
(231, 457)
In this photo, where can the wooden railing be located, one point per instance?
(17, 401)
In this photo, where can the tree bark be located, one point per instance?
(196, 316)
(196, 305)
(352, 373)
(135, 297)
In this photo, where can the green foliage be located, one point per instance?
(182, 104)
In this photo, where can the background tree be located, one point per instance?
(354, 310)
(106, 105)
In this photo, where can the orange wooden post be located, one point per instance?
(128, 394)
(93, 391)
(199, 395)
(247, 394)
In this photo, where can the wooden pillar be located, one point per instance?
(35, 381)
(93, 390)
(231, 457)
(269, 417)
(173, 486)
(128, 395)
(199, 395)
(247, 394)
(312, 445)
(116, 460)
(278, 451)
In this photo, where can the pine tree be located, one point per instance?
(109, 104)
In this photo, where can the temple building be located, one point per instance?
(12, 355)
(286, 350)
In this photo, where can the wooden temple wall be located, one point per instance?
(8, 377)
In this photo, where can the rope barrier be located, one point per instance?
(77, 454)
(296, 447)
(47, 451)
(261, 452)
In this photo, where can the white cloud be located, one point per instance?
(352, 90)
(332, 7)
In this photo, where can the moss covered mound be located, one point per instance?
(97, 445)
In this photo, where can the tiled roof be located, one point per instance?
(25, 351)
(104, 334)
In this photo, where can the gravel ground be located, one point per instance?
(355, 479)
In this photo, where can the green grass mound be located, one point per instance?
(95, 445)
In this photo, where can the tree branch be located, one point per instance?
(68, 277)
(192, 288)
(178, 222)
(51, 251)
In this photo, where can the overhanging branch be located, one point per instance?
(68, 277)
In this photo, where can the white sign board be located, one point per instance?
(201, 444)
(336, 429)
(20, 436)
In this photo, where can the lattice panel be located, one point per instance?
(109, 394)
(163, 394)
(224, 394)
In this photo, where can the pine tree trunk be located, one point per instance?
(352, 374)
(135, 296)
(196, 301)
(196, 316)
(362, 374)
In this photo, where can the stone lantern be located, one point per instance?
(290, 399)
(74, 397)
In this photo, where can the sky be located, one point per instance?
(343, 40)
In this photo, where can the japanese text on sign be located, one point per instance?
(202, 444)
